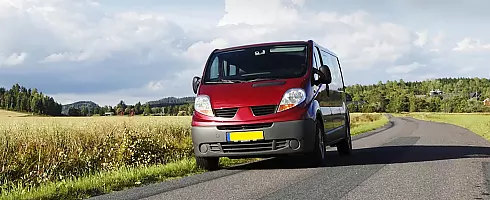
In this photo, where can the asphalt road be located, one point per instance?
(411, 159)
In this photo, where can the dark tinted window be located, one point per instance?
(258, 62)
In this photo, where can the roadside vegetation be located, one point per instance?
(449, 95)
(477, 123)
(72, 158)
(361, 123)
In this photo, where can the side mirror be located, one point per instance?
(195, 83)
(324, 75)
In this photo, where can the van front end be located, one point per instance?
(284, 133)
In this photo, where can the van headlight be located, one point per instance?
(202, 104)
(292, 98)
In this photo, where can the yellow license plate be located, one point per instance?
(245, 136)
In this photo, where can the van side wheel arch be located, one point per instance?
(318, 155)
(319, 118)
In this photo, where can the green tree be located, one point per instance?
(84, 111)
(36, 104)
(190, 109)
(137, 108)
(74, 112)
(96, 110)
(147, 110)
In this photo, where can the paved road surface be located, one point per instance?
(411, 160)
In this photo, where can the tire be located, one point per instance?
(319, 154)
(210, 164)
(344, 147)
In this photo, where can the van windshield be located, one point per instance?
(257, 63)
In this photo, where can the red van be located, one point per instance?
(270, 100)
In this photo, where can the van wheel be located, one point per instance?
(319, 154)
(344, 147)
(210, 164)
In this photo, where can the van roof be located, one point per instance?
(261, 44)
(274, 43)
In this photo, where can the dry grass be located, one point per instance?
(37, 150)
(6, 114)
(363, 122)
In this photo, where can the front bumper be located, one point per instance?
(280, 138)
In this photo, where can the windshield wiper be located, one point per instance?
(226, 81)
(262, 79)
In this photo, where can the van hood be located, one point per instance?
(246, 94)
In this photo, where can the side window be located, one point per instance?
(330, 61)
(339, 74)
(317, 61)
(232, 70)
(226, 68)
(214, 70)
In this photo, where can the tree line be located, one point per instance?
(21, 99)
(137, 109)
(451, 95)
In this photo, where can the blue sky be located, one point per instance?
(111, 50)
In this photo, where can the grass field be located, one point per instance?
(6, 113)
(479, 123)
(361, 123)
(48, 157)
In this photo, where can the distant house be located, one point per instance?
(435, 93)
(475, 95)
(486, 102)
(108, 113)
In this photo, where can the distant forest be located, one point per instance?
(21, 99)
(452, 95)
(138, 109)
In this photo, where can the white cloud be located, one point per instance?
(469, 44)
(155, 85)
(198, 52)
(422, 39)
(78, 31)
(14, 59)
(404, 69)
(300, 3)
(258, 12)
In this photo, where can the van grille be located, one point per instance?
(263, 110)
(252, 146)
(225, 112)
(244, 126)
